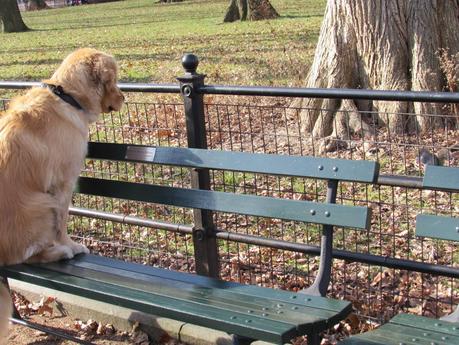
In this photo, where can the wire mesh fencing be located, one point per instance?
(377, 292)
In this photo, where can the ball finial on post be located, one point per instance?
(190, 63)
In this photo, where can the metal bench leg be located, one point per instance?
(17, 319)
(51, 331)
(240, 340)
(16, 314)
(314, 338)
(320, 285)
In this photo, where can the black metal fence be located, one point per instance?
(382, 271)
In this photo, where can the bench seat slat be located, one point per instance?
(335, 306)
(439, 227)
(340, 215)
(176, 299)
(154, 304)
(271, 164)
(427, 323)
(223, 299)
(440, 177)
(409, 329)
(393, 334)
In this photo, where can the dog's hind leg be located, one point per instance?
(58, 245)
(64, 196)
(6, 309)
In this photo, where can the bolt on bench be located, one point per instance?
(405, 329)
(249, 312)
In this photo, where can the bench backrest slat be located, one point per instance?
(311, 212)
(439, 177)
(439, 227)
(298, 166)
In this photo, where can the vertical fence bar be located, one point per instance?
(204, 240)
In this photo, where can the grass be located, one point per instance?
(149, 39)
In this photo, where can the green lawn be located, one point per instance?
(148, 39)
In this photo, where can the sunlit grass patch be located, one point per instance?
(148, 39)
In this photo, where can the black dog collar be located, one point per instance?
(59, 92)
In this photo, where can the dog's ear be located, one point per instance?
(104, 70)
(100, 72)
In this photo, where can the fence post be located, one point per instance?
(204, 240)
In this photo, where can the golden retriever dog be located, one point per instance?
(43, 143)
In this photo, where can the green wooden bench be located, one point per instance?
(406, 329)
(248, 312)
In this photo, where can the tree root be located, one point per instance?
(344, 123)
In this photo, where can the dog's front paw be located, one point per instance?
(51, 254)
(78, 248)
(67, 253)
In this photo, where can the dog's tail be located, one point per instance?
(6, 308)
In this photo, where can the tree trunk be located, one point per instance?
(34, 5)
(261, 9)
(11, 17)
(244, 8)
(232, 13)
(250, 10)
(379, 44)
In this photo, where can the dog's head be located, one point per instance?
(90, 76)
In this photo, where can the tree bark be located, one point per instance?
(250, 10)
(261, 9)
(232, 13)
(11, 17)
(244, 8)
(379, 44)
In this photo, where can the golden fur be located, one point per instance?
(43, 143)
(6, 309)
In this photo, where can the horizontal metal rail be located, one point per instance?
(18, 84)
(400, 181)
(371, 259)
(84, 212)
(150, 88)
(126, 87)
(383, 95)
